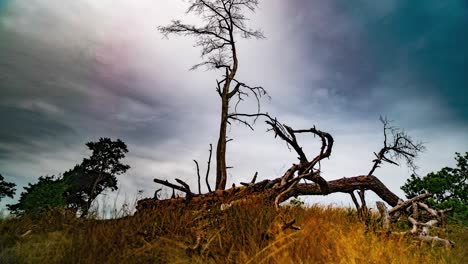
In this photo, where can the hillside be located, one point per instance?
(247, 234)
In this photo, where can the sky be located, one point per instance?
(74, 71)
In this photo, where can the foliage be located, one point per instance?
(296, 202)
(449, 187)
(7, 189)
(78, 187)
(46, 194)
(96, 173)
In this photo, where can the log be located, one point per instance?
(266, 191)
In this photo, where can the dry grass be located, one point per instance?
(251, 234)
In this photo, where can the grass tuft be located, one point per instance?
(248, 234)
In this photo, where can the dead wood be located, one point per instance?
(304, 178)
(436, 240)
(198, 176)
(420, 221)
(268, 190)
(405, 204)
(385, 216)
(208, 169)
(307, 169)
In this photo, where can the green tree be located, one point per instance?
(95, 174)
(46, 194)
(449, 187)
(7, 189)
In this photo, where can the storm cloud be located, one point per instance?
(74, 71)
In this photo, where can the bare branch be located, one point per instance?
(397, 145)
(198, 174)
(233, 117)
(348, 185)
(405, 204)
(208, 169)
(353, 197)
(428, 209)
(156, 193)
(170, 185)
(254, 178)
(222, 21)
(252, 182)
(364, 210)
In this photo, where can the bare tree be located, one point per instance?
(304, 177)
(397, 146)
(223, 22)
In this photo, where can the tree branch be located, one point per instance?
(208, 169)
(198, 174)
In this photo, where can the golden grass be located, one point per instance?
(248, 234)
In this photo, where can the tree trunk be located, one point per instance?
(221, 171)
(91, 197)
(265, 192)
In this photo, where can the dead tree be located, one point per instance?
(397, 146)
(303, 177)
(420, 216)
(224, 22)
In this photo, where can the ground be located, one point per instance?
(251, 233)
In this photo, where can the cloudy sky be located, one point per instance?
(74, 71)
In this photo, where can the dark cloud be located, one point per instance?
(425, 48)
(329, 38)
(71, 72)
(376, 55)
(54, 90)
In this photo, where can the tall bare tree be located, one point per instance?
(224, 21)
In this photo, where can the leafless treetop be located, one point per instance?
(397, 145)
(222, 20)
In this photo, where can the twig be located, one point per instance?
(156, 193)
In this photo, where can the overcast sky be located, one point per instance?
(75, 71)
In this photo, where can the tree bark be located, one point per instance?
(347, 185)
(267, 191)
(221, 171)
(221, 168)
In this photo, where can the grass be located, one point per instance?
(248, 234)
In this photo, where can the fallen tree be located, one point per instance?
(304, 177)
